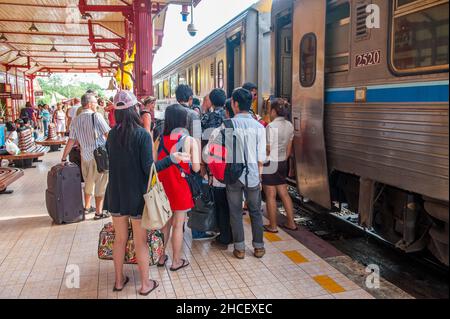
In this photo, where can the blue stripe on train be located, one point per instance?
(423, 92)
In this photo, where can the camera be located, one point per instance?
(192, 30)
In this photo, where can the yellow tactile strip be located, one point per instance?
(329, 284)
(272, 237)
(296, 257)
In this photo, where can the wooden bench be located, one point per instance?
(7, 177)
(54, 144)
(26, 159)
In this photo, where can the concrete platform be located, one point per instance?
(35, 255)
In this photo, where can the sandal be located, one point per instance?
(166, 259)
(127, 280)
(268, 230)
(101, 216)
(155, 285)
(284, 226)
(183, 265)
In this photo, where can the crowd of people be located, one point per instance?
(135, 141)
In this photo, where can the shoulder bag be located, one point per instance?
(100, 153)
(157, 210)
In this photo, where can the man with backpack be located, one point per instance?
(211, 126)
(237, 161)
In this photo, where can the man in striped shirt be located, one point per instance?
(90, 130)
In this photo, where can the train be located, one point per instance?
(368, 83)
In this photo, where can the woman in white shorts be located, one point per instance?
(60, 120)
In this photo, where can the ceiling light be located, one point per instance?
(3, 38)
(86, 16)
(53, 49)
(65, 61)
(19, 55)
(33, 28)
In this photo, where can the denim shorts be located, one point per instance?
(139, 217)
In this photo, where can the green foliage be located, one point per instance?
(54, 84)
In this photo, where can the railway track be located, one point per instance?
(418, 274)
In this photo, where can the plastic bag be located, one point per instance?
(12, 148)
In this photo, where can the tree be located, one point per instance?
(55, 84)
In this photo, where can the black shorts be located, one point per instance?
(277, 178)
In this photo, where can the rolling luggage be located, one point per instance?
(63, 196)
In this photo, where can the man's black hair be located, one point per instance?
(229, 108)
(10, 126)
(250, 86)
(218, 97)
(195, 101)
(183, 93)
(244, 98)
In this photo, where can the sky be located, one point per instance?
(209, 16)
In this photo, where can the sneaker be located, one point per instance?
(219, 245)
(89, 211)
(239, 254)
(204, 237)
(259, 252)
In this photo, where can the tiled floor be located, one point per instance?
(39, 260)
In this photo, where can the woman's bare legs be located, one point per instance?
(142, 255)
(120, 242)
(166, 234)
(271, 204)
(178, 220)
(288, 205)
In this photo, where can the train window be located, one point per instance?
(337, 38)
(182, 78)
(160, 90)
(173, 85)
(420, 39)
(221, 74)
(198, 79)
(191, 77)
(308, 56)
(166, 89)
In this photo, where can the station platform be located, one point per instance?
(34, 257)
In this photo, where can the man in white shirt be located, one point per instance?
(72, 112)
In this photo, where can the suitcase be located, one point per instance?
(64, 196)
(106, 242)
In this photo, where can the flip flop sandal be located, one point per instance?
(287, 228)
(127, 280)
(184, 265)
(155, 286)
(268, 230)
(166, 258)
(101, 216)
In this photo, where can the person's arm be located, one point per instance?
(102, 125)
(67, 149)
(147, 122)
(193, 147)
(262, 149)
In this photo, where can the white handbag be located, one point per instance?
(157, 211)
(12, 148)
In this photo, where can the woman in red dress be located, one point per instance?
(175, 139)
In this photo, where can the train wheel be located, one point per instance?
(439, 232)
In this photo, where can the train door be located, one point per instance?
(309, 23)
(234, 62)
(284, 57)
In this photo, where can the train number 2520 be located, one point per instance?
(369, 58)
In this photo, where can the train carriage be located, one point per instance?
(368, 82)
(369, 90)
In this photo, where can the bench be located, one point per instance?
(7, 177)
(54, 144)
(26, 159)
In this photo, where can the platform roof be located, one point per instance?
(65, 42)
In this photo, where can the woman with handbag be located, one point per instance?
(175, 179)
(129, 147)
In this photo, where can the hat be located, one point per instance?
(124, 100)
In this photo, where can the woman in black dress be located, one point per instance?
(130, 158)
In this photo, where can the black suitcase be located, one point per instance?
(64, 196)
